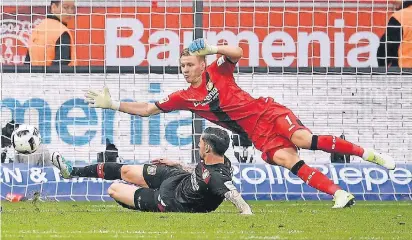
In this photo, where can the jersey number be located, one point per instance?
(290, 123)
(288, 119)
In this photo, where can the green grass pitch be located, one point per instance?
(271, 220)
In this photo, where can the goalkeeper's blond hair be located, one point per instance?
(186, 53)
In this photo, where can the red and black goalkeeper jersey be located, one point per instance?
(219, 99)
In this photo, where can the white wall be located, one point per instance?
(377, 110)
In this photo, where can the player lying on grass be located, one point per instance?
(167, 185)
(274, 129)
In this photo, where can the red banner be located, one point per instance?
(269, 36)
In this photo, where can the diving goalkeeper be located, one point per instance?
(167, 185)
(273, 128)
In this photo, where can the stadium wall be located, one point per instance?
(371, 109)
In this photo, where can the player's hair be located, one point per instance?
(406, 3)
(51, 4)
(55, 2)
(186, 53)
(217, 139)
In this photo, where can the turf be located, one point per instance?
(271, 220)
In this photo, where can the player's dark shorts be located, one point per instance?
(274, 130)
(162, 181)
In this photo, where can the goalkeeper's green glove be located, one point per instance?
(200, 47)
(101, 99)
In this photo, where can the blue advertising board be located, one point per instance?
(254, 181)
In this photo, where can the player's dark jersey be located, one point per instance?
(220, 100)
(202, 191)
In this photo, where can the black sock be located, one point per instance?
(108, 171)
(87, 171)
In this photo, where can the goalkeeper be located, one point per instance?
(170, 186)
(273, 128)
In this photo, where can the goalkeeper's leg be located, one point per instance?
(288, 158)
(290, 127)
(305, 139)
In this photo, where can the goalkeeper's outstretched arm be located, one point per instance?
(102, 99)
(142, 109)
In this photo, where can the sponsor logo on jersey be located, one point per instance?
(211, 96)
(221, 60)
(151, 169)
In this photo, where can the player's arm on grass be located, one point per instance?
(200, 47)
(222, 185)
(102, 99)
(174, 163)
(237, 200)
